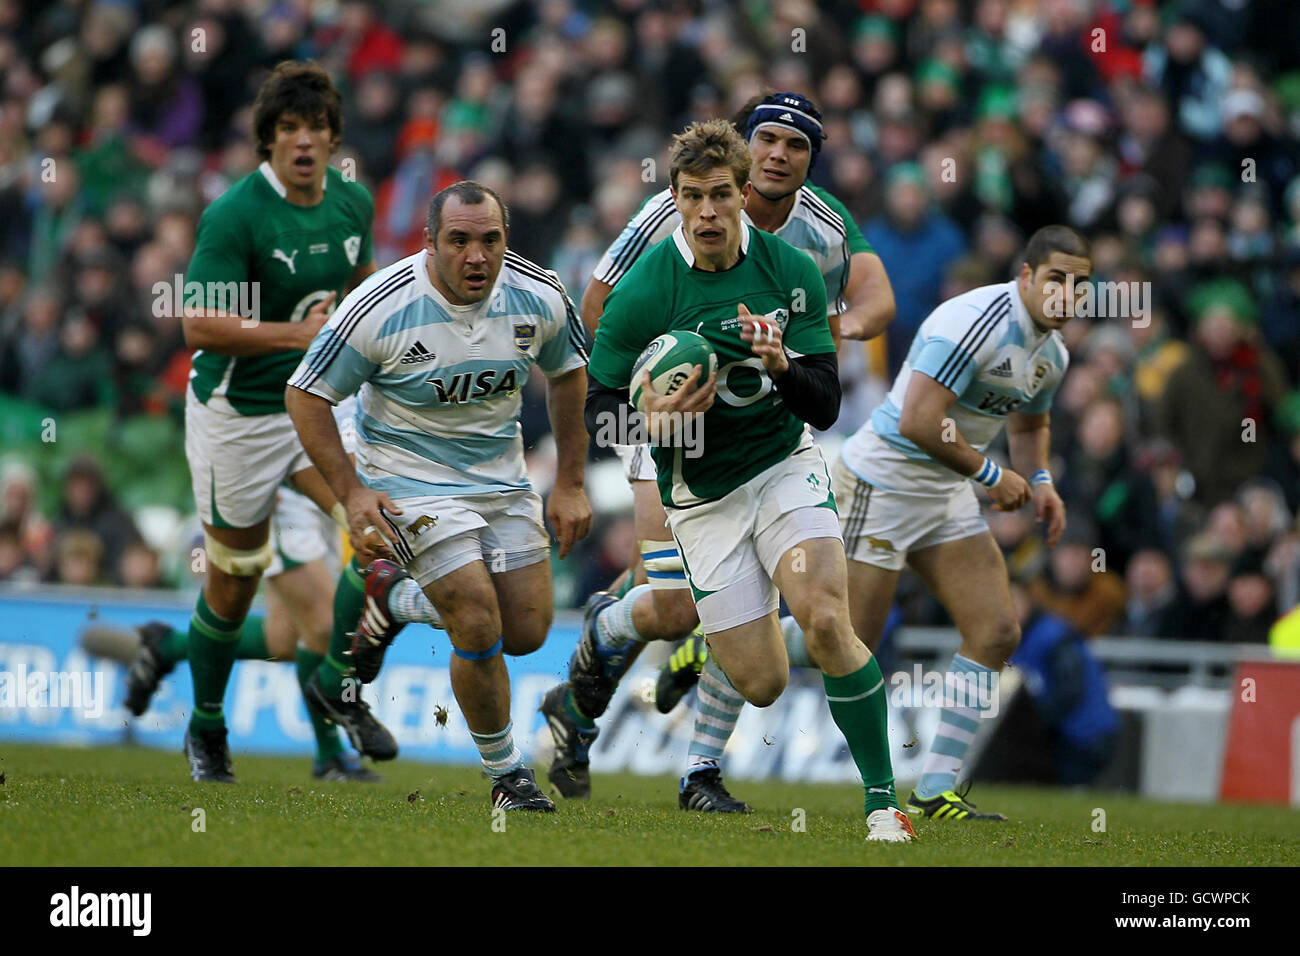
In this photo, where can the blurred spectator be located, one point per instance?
(1252, 603)
(1100, 482)
(15, 566)
(1251, 151)
(1069, 690)
(79, 558)
(79, 376)
(1079, 585)
(916, 243)
(1152, 609)
(1218, 407)
(1192, 74)
(32, 345)
(1150, 144)
(1203, 604)
(138, 566)
(166, 108)
(88, 505)
(19, 509)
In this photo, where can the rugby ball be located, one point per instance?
(671, 358)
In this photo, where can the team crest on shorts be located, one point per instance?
(1040, 373)
(525, 332)
(880, 544)
(421, 524)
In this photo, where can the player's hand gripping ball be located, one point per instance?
(671, 358)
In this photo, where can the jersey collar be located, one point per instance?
(684, 247)
(274, 181)
(1020, 314)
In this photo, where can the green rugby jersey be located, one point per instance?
(297, 255)
(748, 429)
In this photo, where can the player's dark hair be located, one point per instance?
(1051, 239)
(703, 147)
(301, 88)
(468, 192)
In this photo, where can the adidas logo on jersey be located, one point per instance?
(418, 353)
(1003, 370)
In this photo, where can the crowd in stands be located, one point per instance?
(1169, 133)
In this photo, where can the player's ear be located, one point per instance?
(429, 241)
(745, 190)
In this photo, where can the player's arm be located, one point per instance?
(570, 513)
(925, 422)
(870, 298)
(335, 366)
(593, 303)
(1029, 439)
(801, 361)
(313, 417)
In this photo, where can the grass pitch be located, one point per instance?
(120, 806)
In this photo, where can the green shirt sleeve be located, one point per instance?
(221, 253)
(808, 331)
(629, 323)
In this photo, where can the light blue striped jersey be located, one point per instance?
(439, 384)
(813, 226)
(985, 348)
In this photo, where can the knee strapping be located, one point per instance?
(663, 563)
(237, 562)
(491, 652)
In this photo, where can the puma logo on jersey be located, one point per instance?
(417, 353)
(287, 260)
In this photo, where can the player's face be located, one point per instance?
(781, 159)
(1044, 290)
(710, 206)
(468, 251)
(300, 150)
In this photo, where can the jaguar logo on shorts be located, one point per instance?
(524, 335)
(420, 525)
(880, 544)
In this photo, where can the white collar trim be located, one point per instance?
(274, 180)
(684, 247)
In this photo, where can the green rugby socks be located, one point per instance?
(212, 642)
(858, 705)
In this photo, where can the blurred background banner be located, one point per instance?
(40, 656)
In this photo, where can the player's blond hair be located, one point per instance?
(703, 147)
